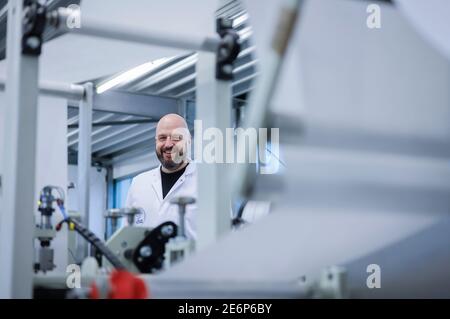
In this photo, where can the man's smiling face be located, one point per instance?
(171, 139)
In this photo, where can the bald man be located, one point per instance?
(176, 176)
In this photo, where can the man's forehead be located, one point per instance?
(171, 123)
(164, 129)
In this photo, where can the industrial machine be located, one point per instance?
(146, 250)
(141, 249)
(44, 231)
(180, 246)
(136, 249)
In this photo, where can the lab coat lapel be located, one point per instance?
(156, 184)
(190, 169)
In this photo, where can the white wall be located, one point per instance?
(98, 193)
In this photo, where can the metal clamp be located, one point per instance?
(228, 49)
(34, 23)
(112, 217)
(149, 255)
(182, 202)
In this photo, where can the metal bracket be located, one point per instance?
(34, 22)
(148, 256)
(228, 49)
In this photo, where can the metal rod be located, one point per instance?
(261, 97)
(56, 89)
(112, 123)
(94, 28)
(214, 194)
(84, 154)
(182, 228)
(65, 90)
(17, 197)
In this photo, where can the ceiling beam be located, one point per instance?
(153, 107)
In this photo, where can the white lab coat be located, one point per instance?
(146, 192)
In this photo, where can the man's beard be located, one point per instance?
(169, 164)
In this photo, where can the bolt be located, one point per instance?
(167, 230)
(227, 69)
(33, 42)
(145, 251)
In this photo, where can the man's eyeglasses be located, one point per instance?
(173, 138)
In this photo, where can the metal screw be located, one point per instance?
(227, 68)
(33, 42)
(145, 251)
(167, 230)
